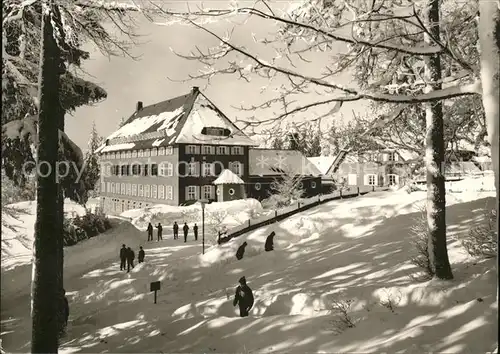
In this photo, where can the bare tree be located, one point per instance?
(286, 189)
(376, 33)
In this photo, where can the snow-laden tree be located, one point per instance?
(375, 33)
(92, 167)
(57, 29)
(285, 189)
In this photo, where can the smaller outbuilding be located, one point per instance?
(229, 186)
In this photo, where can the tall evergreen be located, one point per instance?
(46, 290)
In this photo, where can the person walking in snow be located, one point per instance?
(176, 230)
(186, 230)
(195, 230)
(160, 229)
(243, 297)
(141, 255)
(150, 232)
(130, 259)
(123, 257)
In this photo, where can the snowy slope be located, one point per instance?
(354, 250)
(18, 224)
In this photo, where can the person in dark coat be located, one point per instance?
(123, 257)
(176, 230)
(130, 259)
(150, 232)
(141, 255)
(195, 230)
(243, 297)
(160, 229)
(269, 246)
(186, 230)
(241, 250)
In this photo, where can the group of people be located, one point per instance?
(185, 229)
(127, 257)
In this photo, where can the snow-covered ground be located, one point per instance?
(225, 214)
(343, 261)
(18, 225)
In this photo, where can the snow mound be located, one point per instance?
(18, 227)
(228, 214)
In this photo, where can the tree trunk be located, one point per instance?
(46, 291)
(434, 156)
(489, 44)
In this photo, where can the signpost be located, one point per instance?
(154, 286)
(203, 202)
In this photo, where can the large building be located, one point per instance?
(185, 149)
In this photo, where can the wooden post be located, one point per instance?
(358, 191)
(340, 193)
(249, 224)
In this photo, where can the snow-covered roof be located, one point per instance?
(323, 163)
(177, 120)
(270, 162)
(228, 177)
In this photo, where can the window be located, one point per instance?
(108, 187)
(103, 187)
(129, 154)
(134, 153)
(141, 190)
(207, 192)
(301, 185)
(207, 169)
(113, 187)
(141, 153)
(161, 192)
(208, 150)
(236, 150)
(222, 150)
(161, 151)
(371, 179)
(123, 170)
(134, 189)
(154, 152)
(231, 191)
(169, 193)
(170, 169)
(136, 169)
(192, 169)
(393, 180)
(129, 189)
(154, 191)
(154, 169)
(235, 167)
(147, 153)
(169, 150)
(162, 169)
(146, 170)
(191, 193)
(122, 189)
(391, 156)
(146, 191)
(192, 149)
(313, 184)
(257, 186)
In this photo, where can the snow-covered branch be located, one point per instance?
(353, 93)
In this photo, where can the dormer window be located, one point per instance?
(215, 131)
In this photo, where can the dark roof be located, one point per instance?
(182, 119)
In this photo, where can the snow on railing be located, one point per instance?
(295, 207)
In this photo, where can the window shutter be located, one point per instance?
(242, 172)
(197, 192)
(396, 157)
(365, 180)
(212, 169)
(186, 189)
(385, 157)
(396, 178)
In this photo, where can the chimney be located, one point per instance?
(139, 106)
(106, 142)
(196, 89)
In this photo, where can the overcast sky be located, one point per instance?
(128, 81)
